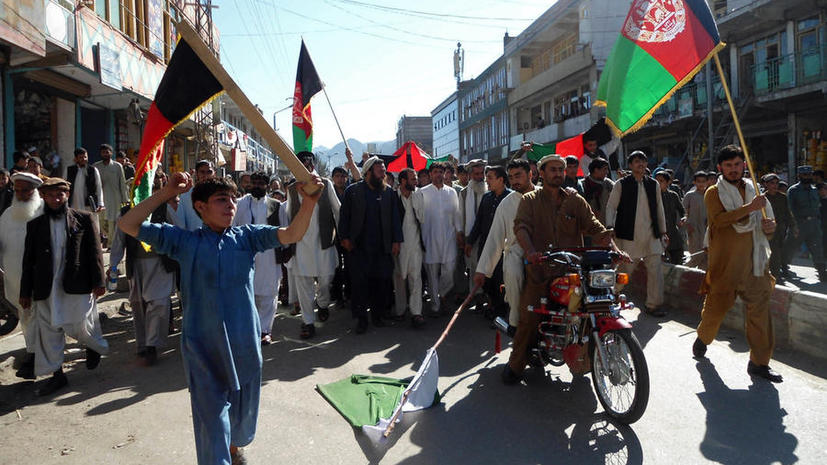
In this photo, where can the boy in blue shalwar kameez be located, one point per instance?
(220, 337)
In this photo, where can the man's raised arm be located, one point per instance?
(130, 222)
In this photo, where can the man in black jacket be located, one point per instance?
(61, 279)
(370, 227)
(497, 190)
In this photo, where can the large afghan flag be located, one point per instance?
(662, 44)
(186, 85)
(308, 84)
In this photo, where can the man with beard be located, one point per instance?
(469, 202)
(26, 206)
(407, 270)
(635, 211)
(738, 262)
(85, 188)
(370, 228)
(440, 236)
(62, 277)
(128, 169)
(805, 207)
(551, 215)
(501, 246)
(315, 259)
(597, 186)
(114, 188)
(257, 208)
(187, 216)
(244, 183)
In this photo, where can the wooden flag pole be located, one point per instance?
(743, 142)
(324, 89)
(284, 152)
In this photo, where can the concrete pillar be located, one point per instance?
(8, 117)
(733, 70)
(792, 139)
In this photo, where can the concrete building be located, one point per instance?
(483, 114)
(776, 61)
(417, 129)
(553, 69)
(241, 145)
(446, 128)
(85, 74)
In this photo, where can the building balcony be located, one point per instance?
(789, 75)
(554, 132)
(556, 74)
(60, 23)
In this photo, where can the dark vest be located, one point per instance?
(91, 184)
(627, 207)
(135, 250)
(327, 222)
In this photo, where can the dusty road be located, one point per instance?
(699, 412)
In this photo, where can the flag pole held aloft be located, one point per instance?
(284, 152)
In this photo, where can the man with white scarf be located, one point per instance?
(25, 206)
(408, 264)
(501, 242)
(469, 203)
(315, 259)
(739, 253)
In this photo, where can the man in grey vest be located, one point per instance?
(635, 211)
(315, 258)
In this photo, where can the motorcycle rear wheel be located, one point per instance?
(623, 391)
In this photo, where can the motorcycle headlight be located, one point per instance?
(602, 279)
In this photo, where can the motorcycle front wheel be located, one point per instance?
(623, 386)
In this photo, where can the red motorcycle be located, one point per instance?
(581, 327)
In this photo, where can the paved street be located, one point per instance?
(699, 412)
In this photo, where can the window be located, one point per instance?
(563, 48)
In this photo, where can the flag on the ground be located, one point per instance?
(186, 85)
(600, 132)
(373, 402)
(308, 84)
(409, 155)
(662, 44)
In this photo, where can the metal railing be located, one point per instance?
(261, 156)
(789, 71)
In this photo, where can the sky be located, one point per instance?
(379, 59)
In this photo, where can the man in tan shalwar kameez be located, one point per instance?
(738, 262)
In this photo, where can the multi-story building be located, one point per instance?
(483, 114)
(553, 68)
(241, 145)
(417, 129)
(446, 128)
(776, 65)
(84, 73)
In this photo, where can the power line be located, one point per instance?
(426, 13)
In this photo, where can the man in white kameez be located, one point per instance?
(635, 211)
(316, 259)
(469, 203)
(408, 264)
(25, 206)
(501, 242)
(113, 185)
(61, 279)
(257, 208)
(441, 235)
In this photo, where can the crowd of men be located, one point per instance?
(386, 245)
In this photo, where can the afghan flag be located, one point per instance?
(409, 155)
(662, 44)
(600, 133)
(186, 85)
(308, 84)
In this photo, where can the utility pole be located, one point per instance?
(710, 131)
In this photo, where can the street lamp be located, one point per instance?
(279, 111)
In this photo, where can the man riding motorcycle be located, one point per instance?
(551, 215)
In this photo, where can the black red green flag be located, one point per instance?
(600, 133)
(308, 84)
(186, 85)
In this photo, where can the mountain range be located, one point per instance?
(336, 154)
